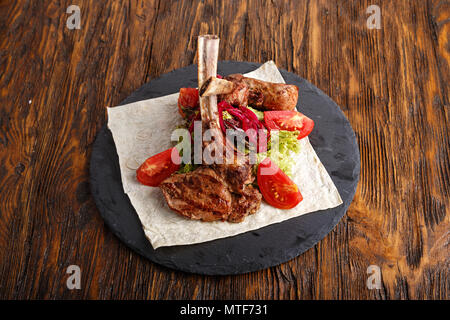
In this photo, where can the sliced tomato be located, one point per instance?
(276, 187)
(290, 121)
(188, 101)
(158, 167)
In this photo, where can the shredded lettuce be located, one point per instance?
(287, 147)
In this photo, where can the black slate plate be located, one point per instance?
(332, 138)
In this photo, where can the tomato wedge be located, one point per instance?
(290, 121)
(188, 101)
(158, 167)
(276, 187)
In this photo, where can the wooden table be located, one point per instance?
(392, 83)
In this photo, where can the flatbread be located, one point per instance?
(144, 128)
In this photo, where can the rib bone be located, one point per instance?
(214, 150)
(220, 149)
(208, 52)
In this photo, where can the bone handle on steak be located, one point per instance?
(208, 52)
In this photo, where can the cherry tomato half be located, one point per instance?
(158, 167)
(276, 187)
(290, 121)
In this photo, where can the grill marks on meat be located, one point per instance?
(236, 175)
(260, 94)
(245, 203)
(209, 195)
(200, 195)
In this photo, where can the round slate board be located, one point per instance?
(332, 138)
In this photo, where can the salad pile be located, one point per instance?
(289, 127)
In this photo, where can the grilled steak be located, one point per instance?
(201, 194)
(208, 195)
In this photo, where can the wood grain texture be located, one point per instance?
(392, 84)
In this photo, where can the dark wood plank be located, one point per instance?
(391, 83)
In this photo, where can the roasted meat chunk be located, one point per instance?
(256, 93)
(271, 96)
(200, 195)
(236, 175)
(240, 91)
(205, 194)
(244, 204)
